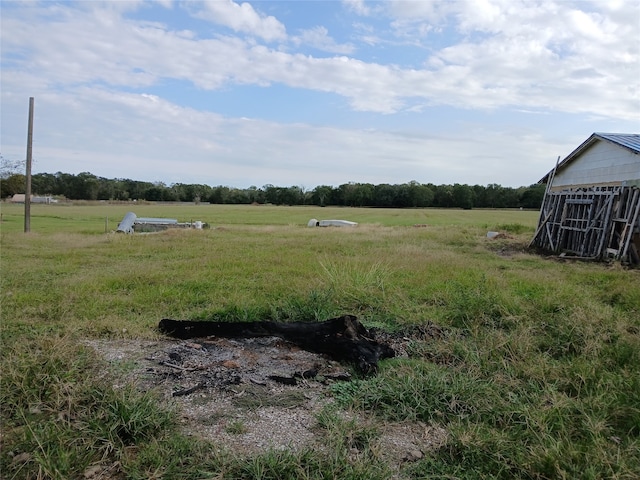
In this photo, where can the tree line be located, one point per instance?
(86, 186)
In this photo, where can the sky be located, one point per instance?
(307, 93)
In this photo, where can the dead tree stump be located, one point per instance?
(343, 338)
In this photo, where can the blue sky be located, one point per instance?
(314, 93)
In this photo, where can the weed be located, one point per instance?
(61, 411)
(235, 427)
(351, 434)
(315, 306)
(476, 301)
(357, 286)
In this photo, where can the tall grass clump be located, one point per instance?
(358, 286)
(315, 306)
(475, 300)
(61, 413)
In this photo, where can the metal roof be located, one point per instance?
(627, 140)
(630, 141)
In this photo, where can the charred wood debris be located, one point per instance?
(343, 339)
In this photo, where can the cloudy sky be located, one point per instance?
(314, 93)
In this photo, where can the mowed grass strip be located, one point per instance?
(533, 367)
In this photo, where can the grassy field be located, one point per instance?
(535, 372)
(92, 218)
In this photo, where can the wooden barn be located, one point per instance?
(591, 208)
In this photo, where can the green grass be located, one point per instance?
(98, 217)
(534, 370)
(61, 413)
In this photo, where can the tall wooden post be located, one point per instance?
(27, 193)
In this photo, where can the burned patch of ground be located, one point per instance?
(251, 395)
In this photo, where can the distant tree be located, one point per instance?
(463, 196)
(494, 196)
(424, 196)
(511, 198)
(192, 192)
(444, 196)
(132, 188)
(322, 195)
(254, 195)
(13, 184)
(159, 192)
(532, 196)
(413, 194)
(237, 196)
(384, 195)
(154, 194)
(346, 194)
(363, 194)
(480, 196)
(408, 195)
(84, 186)
(45, 184)
(106, 189)
(218, 195)
(403, 196)
(11, 181)
(292, 196)
(271, 194)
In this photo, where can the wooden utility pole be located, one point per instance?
(27, 193)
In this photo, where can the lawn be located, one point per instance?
(534, 372)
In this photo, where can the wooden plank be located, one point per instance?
(539, 229)
(547, 190)
(631, 221)
(606, 224)
(580, 201)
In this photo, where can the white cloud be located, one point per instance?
(242, 17)
(96, 74)
(535, 54)
(357, 6)
(318, 37)
(409, 17)
(144, 137)
(529, 55)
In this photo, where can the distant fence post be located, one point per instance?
(27, 193)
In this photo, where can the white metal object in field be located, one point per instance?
(131, 223)
(126, 225)
(156, 221)
(330, 223)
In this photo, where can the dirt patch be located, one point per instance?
(250, 395)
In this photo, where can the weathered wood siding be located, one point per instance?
(603, 164)
(595, 223)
